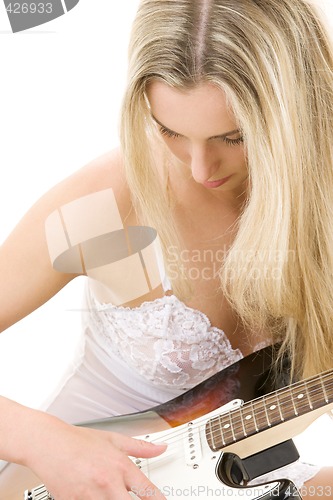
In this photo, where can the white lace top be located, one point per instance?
(134, 359)
(165, 341)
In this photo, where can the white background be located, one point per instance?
(61, 86)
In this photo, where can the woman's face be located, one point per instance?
(201, 132)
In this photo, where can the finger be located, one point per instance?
(142, 487)
(138, 447)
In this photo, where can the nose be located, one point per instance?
(205, 162)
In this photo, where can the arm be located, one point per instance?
(73, 462)
(43, 442)
(27, 277)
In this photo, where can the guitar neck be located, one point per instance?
(271, 410)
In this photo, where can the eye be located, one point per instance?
(233, 142)
(168, 133)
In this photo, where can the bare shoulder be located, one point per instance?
(29, 276)
(103, 173)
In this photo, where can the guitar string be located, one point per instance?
(268, 399)
(280, 397)
(228, 416)
(233, 426)
(172, 437)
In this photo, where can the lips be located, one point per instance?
(216, 184)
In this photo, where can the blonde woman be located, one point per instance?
(226, 151)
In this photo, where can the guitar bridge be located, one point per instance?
(38, 493)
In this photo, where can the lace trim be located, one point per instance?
(167, 342)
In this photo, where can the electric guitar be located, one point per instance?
(217, 442)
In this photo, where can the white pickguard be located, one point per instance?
(187, 468)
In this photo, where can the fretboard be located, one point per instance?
(270, 410)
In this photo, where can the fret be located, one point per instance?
(225, 431)
(292, 401)
(221, 432)
(280, 409)
(243, 423)
(308, 395)
(323, 388)
(213, 430)
(232, 426)
(237, 424)
(270, 410)
(261, 414)
(266, 413)
(286, 405)
(317, 392)
(249, 420)
(214, 433)
(328, 383)
(273, 408)
(302, 403)
(254, 418)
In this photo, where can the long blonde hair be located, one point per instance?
(273, 59)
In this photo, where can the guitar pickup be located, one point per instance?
(192, 444)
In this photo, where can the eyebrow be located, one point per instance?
(220, 136)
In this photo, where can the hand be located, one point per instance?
(82, 464)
